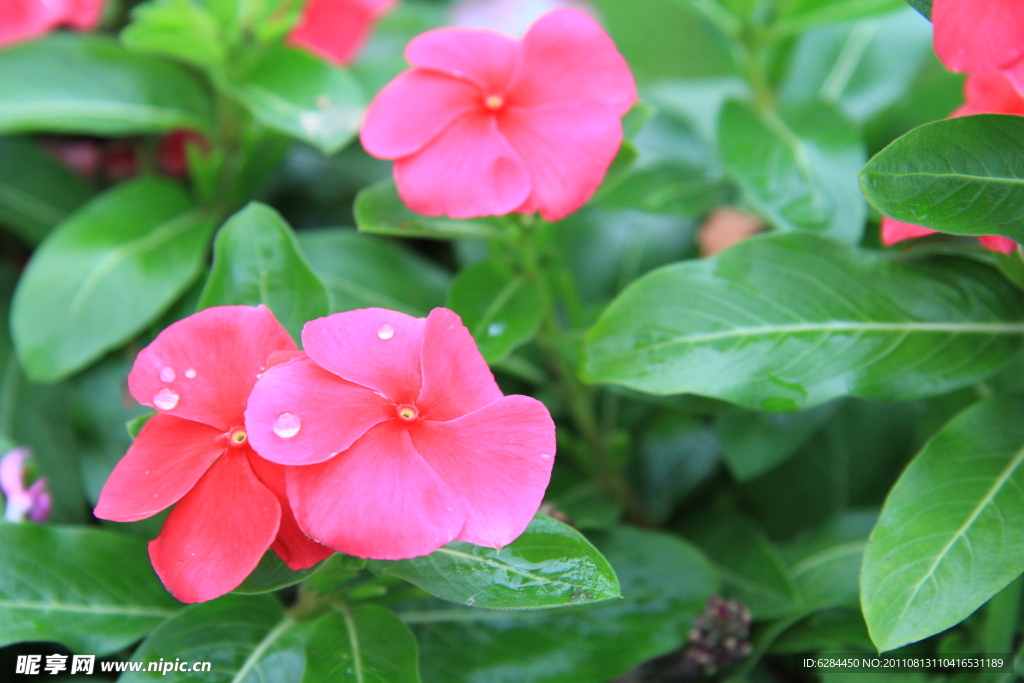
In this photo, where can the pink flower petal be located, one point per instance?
(336, 29)
(412, 110)
(84, 15)
(992, 92)
(163, 464)
(373, 347)
(300, 414)
(379, 499)
(568, 56)
(998, 243)
(894, 231)
(216, 535)
(203, 367)
(26, 19)
(292, 545)
(468, 171)
(497, 460)
(568, 148)
(456, 379)
(486, 58)
(978, 35)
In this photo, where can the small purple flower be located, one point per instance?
(32, 503)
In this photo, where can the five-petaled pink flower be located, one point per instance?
(404, 439)
(981, 35)
(231, 504)
(26, 19)
(336, 29)
(986, 93)
(484, 124)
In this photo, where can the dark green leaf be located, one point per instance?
(299, 95)
(271, 574)
(797, 167)
(181, 29)
(501, 309)
(550, 565)
(36, 191)
(665, 584)
(135, 425)
(90, 590)
(788, 321)
(104, 274)
(379, 210)
(72, 83)
(257, 260)
(826, 563)
(755, 443)
(922, 6)
(951, 534)
(963, 175)
(362, 644)
(796, 16)
(363, 271)
(676, 453)
(827, 631)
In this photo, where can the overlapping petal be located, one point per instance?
(373, 347)
(998, 243)
(163, 464)
(216, 534)
(26, 19)
(456, 379)
(991, 92)
(488, 59)
(379, 499)
(412, 110)
(568, 56)
(203, 367)
(336, 29)
(497, 461)
(978, 35)
(470, 170)
(323, 414)
(84, 15)
(894, 231)
(568, 148)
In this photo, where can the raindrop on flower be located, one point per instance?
(386, 331)
(190, 373)
(495, 329)
(287, 425)
(167, 375)
(165, 399)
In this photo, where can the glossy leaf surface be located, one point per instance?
(379, 210)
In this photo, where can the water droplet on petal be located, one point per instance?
(386, 331)
(495, 329)
(287, 425)
(165, 399)
(167, 375)
(190, 373)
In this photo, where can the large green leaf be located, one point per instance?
(755, 443)
(299, 95)
(90, 590)
(788, 321)
(362, 644)
(962, 175)
(272, 574)
(72, 83)
(951, 534)
(665, 584)
(501, 309)
(36, 191)
(257, 260)
(796, 16)
(550, 565)
(182, 29)
(379, 210)
(797, 167)
(363, 271)
(104, 274)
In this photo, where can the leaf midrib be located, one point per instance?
(119, 610)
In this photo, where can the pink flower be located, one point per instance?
(27, 19)
(231, 503)
(979, 35)
(986, 93)
(510, 16)
(484, 124)
(32, 503)
(404, 438)
(336, 29)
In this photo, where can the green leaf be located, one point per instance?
(755, 443)
(135, 425)
(951, 534)
(665, 584)
(363, 271)
(272, 574)
(306, 98)
(36, 191)
(71, 83)
(788, 321)
(922, 6)
(379, 210)
(797, 167)
(257, 260)
(89, 590)
(182, 29)
(796, 16)
(550, 565)
(105, 274)
(962, 175)
(826, 563)
(501, 309)
(676, 453)
(362, 644)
